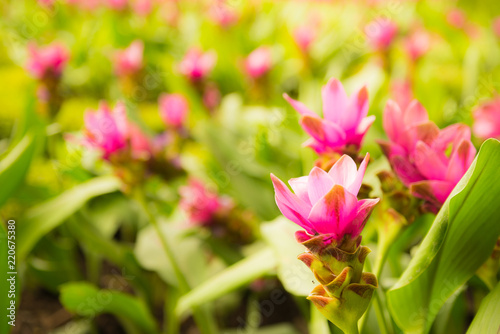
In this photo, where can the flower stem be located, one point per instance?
(203, 318)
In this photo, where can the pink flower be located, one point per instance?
(143, 7)
(417, 44)
(111, 132)
(200, 203)
(380, 33)
(304, 36)
(117, 5)
(344, 123)
(456, 18)
(46, 61)
(487, 119)
(258, 62)
(173, 109)
(196, 65)
(222, 14)
(327, 203)
(496, 26)
(211, 97)
(129, 60)
(417, 151)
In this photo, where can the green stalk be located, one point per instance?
(203, 318)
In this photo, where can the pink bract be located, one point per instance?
(129, 60)
(344, 119)
(46, 60)
(196, 64)
(173, 109)
(259, 62)
(326, 203)
(487, 119)
(419, 151)
(380, 33)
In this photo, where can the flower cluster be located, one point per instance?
(428, 160)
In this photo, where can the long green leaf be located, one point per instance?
(234, 277)
(461, 238)
(43, 218)
(487, 319)
(15, 165)
(86, 300)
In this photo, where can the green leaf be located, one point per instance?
(318, 323)
(231, 279)
(43, 218)
(15, 165)
(487, 319)
(293, 273)
(461, 238)
(4, 284)
(86, 300)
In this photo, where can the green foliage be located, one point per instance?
(460, 240)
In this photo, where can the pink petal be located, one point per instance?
(334, 212)
(460, 161)
(344, 172)
(415, 113)
(393, 122)
(433, 191)
(365, 208)
(353, 188)
(299, 106)
(323, 131)
(299, 186)
(319, 184)
(362, 129)
(357, 110)
(335, 100)
(405, 170)
(285, 196)
(295, 217)
(453, 134)
(428, 164)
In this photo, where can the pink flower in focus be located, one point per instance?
(496, 26)
(418, 152)
(327, 203)
(304, 36)
(344, 123)
(46, 61)
(173, 109)
(417, 44)
(111, 132)
(380, 33)
(201, 204)
(129, 60)
(258, 62)
(487, 119)
(196, 65)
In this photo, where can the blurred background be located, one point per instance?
(202, 83)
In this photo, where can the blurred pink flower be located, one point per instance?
(380, 33)
(327, 203)
(196, 64)
(117, 4)
(344, 123)
(496, 26)
(487, 119)
(222, 14)
(304, 36)
(201, 204)
(418, 152)
(173, 109)
(111, 132)
(46, 3)
(456, 18)
(47, 61)
(259, 62)
(129, 61)
(142, 7)
(417, 44)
